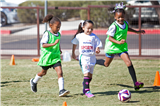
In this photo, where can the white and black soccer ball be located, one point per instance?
(124, 95)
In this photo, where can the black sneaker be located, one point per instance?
(63, 92)
(33, 85)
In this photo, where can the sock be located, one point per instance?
(86, 83)
(61, 83)
(36, 79)
(132, 73)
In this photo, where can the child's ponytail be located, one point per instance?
(47, 18)
(80, 30)
(51, 19)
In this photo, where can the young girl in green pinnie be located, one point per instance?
(116, 42)
(50, 54)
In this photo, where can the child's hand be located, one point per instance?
(97, 50)
(141, 31)
(122, 41)
(74, 56)
(56, 41)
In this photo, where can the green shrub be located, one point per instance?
(100, 16)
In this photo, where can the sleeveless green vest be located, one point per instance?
(50, 55)
(113, 48)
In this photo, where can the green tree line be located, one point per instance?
(100, 16)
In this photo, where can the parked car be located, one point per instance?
(147, 14)
(8, 15)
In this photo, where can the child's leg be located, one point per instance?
(62, 91)
(39, 76)
(107, 61)
(128, 62)
(86, 81)
(35, 80)
(60, 77)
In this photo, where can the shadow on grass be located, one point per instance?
(100, 62)
(3, 84)
(127, 86)
(141, 91)
(153, 87)
(77, 95)
(132, 101)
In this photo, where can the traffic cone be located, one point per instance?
(157, 79)
(64, 103)
(12, 62)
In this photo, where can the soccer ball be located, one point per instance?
(124, 95)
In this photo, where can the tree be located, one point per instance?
(157, 9)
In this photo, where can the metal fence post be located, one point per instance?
(38, 40)
(88, 13)
(45, 12)
(140, 39)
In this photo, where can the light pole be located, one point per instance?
(45, 12)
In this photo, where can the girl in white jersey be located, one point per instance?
(89, 44)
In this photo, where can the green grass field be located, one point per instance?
(106, 82)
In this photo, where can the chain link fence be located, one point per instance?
(24, 38)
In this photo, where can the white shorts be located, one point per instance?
(87, 63)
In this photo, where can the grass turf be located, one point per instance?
(106, 82)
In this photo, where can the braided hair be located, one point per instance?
(119, 7)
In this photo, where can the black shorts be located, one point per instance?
(54, 65)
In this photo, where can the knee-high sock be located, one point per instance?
(61, 83)
(132, 73)
(36, 79)
(86, 83)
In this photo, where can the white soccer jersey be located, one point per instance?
(87, 43)
(87, 47)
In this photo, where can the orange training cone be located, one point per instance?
(35, 59)
(12, 62)
(157, 79)
(64, 103)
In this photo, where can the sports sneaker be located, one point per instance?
(33, 85)
(138, 85)
(63, 92)
(89, 94)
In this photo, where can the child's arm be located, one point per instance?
(73, 52)
(60, 49)
(97, 50)
(45, 45)
(135, 31)
(115, 41)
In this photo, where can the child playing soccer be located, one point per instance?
(50, 54)
(89, 44)
(116, 42)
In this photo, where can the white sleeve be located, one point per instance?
(98, 42)
(45, 38)
(111, 31)
(75, 40)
